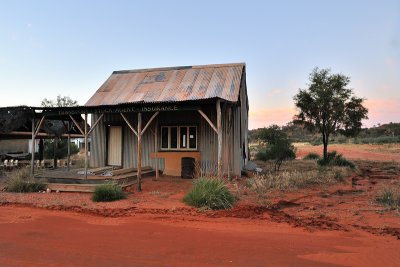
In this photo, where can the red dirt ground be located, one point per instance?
(38, 237)
(324, 226)
(386, 152)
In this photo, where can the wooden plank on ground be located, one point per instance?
(128, 170)
(88, 188)
(130, 175)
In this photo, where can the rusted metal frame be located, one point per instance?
(219, 127)
(86, 146)
(139, 153)
(95, 124)
(129, 125)
(208, 120)
(149, 122)
(77, 125)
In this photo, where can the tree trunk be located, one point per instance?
(325, 139)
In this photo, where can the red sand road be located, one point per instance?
(38, 237)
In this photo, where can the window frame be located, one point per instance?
(179, 148)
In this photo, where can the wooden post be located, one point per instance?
(229, 140)
(55, 146)
(69, 145)
(139, 154)
(219, 128)
(33, 148)
(156, 148)
(86, 147)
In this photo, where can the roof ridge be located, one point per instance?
(180, 68)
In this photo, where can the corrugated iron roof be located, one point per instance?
(174, 84)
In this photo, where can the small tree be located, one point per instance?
(329, 107)
(55, 126)
(62, 148)
(61, 101)
(278, 146)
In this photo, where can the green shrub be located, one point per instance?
(209, 194)
(312, 156)
(20, 182)
(335, 159)
(389, 197)
(108, 192)
(261, 155)
(62, 148)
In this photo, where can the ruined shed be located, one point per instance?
(158, 117)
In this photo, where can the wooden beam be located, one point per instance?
(95, 124)
(129, 125)
(148, 123)
(139, 153)
(219, 127)
(69, 146)
(208, 120)
(39, 125)
(33, 148)
(77, 125)
(86, 146)
(156, 148)
(229, 130)
(16, 133)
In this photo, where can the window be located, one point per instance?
(178, 137)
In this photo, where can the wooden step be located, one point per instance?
(130, 175)
(129, 170)
(86, 188)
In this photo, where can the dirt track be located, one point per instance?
(38, 237)
(334, 225)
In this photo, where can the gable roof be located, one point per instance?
(173, 84)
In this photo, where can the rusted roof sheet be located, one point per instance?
(173, 84)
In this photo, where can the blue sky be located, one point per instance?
(70, 47)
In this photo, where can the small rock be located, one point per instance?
(250, 166)
(58, 191)
(48, 190)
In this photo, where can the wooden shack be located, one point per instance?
(158, 117)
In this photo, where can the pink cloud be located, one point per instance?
(382, 111)
(379, 111)
(264, 117)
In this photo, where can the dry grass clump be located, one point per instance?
(294, 179)
(292, 165)
(19, 181)
(389, 197)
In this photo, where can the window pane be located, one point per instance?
(164, 137)
(183, 138)
(174, 137)
(192, 137)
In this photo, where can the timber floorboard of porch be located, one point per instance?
(124, 180)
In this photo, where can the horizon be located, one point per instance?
(71, 48)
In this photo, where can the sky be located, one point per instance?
(50, 48)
